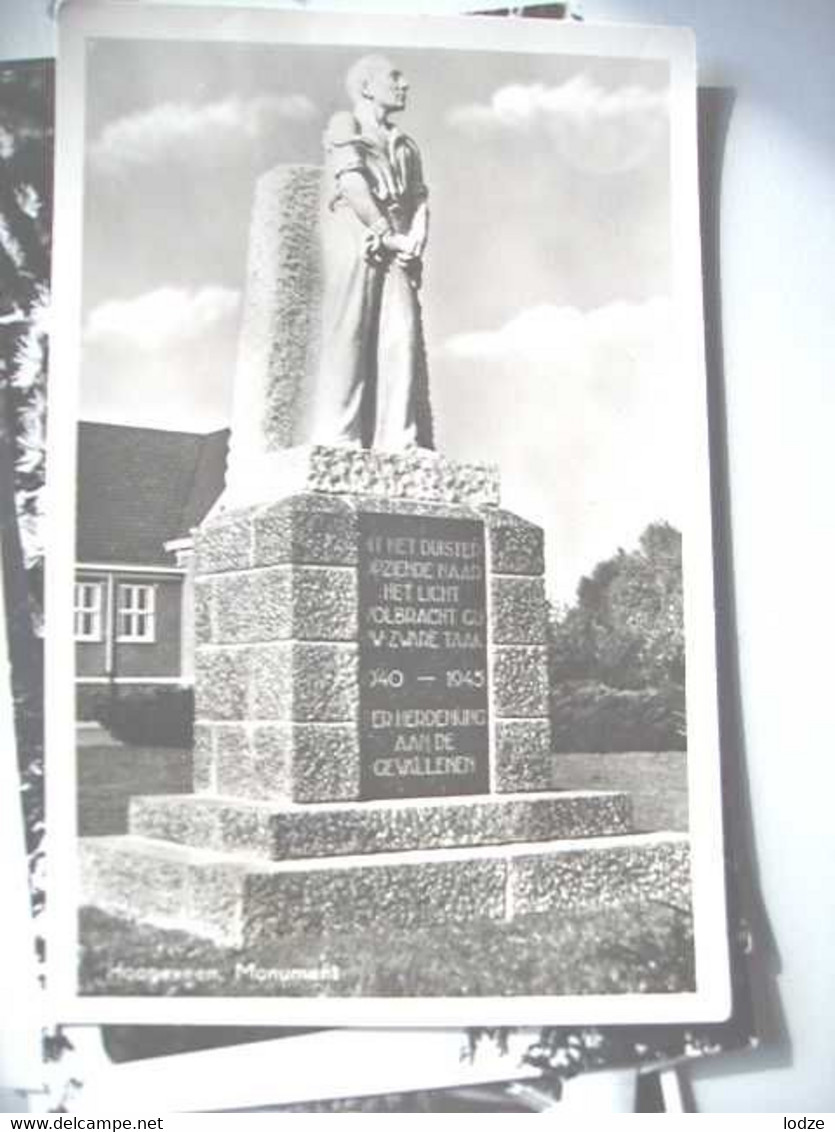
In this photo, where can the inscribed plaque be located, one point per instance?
(423, 657)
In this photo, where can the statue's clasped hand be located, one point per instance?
(385, 246)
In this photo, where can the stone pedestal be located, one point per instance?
(387, 600)
(372, 736)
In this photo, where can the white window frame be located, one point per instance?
(136, 622)
(92, 609)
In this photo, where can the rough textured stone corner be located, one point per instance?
(520, 681)
(522, 755)
(415, 474)
(642, 869)
(515, 546)
(519, 611)
(302, 530)
(278, 832)
(279, 603)
(270, 761)
(241, 902)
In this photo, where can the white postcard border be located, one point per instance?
(712, 1001)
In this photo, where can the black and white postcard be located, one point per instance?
(380, 603)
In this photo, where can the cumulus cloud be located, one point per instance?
(582, 410)
(564, 334)
(594, 128)
(612, 361)
(182, 130)
(162, 319)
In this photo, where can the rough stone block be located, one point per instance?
(215, 894)
(324, 603)
(252, 606)
(402, 895)
(414, 474)
(203, 759)
(194, 823)
(252, 761)
(271, 832)
(242, 902)
(520, 681)
(522, 755)
(514, 546)
(239, 828)
(306, 529)
(518, 610)
(203, 602)
(203, 822)
(222, 683)
(118, 876)
(288, 762)
(305, 682)
(635, 869)
(224, 543)
(307, 603)
(168, 885)
(325, 761)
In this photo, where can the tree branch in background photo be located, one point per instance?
(26, 98)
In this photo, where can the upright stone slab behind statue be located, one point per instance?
(279, 331)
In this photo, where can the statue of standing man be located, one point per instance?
(372, 388)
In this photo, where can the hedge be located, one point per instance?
(589, 716)
(145, 716)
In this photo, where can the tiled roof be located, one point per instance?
(140, 487)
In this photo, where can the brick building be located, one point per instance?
(140, 493)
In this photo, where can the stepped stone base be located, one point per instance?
(264, 830)
(372, 742)
(245, 902)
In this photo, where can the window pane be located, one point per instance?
(87, 610)
(135, 616)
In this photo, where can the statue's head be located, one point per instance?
(375, 78)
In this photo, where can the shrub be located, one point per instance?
(149, 716)
(589, 716)
(91, 702)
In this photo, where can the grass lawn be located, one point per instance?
(600, 951)
(109, 774)
(656, 781)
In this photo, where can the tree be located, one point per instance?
(616, 657)
(25, 231)
(627, 626)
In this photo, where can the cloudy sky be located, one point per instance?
(547, 294)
